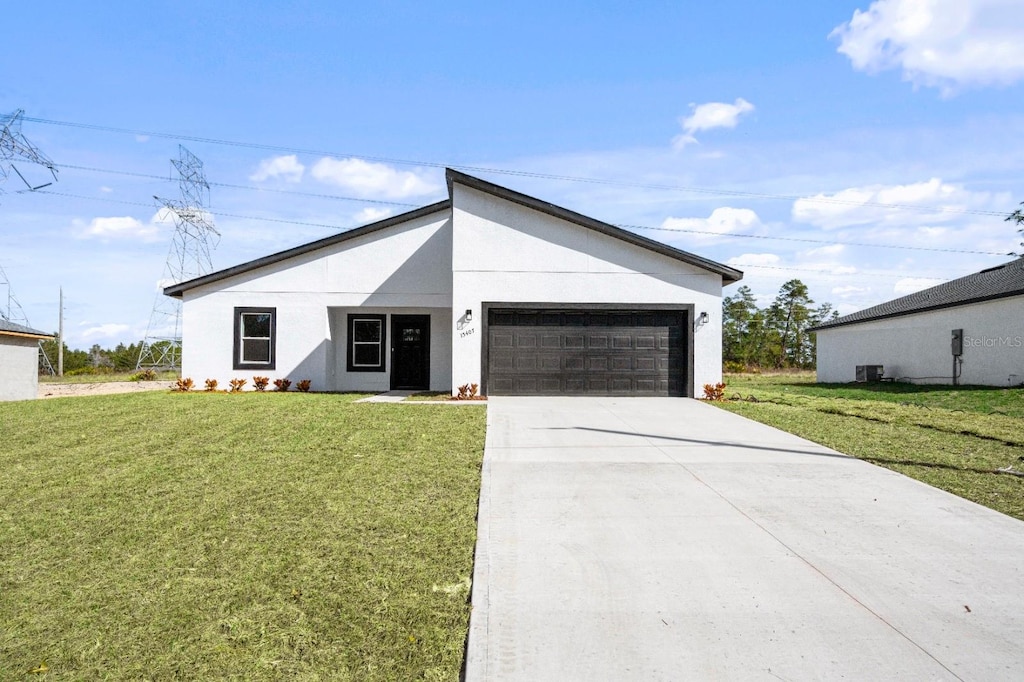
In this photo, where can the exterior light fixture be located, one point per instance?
(469, 315)
(704, 318)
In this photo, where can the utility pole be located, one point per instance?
(60, 337)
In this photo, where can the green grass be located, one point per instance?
(199, 536)
(170, 375)
(954, 438)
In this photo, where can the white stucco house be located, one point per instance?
(489, 286)
(19, 361)
(973, 326)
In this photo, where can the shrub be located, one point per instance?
(237, 384)
(468, 392)
(282, 384)
(303, 385)
(714, 391)
(260, 383)
(144, 375)
(183, 385)
(211, 385)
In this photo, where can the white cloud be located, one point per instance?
(849, 291)
(949, 44)
(371, 214)
(120, 227)
(369, 179)
(709, 116)
(860, 205)
(104, 331)
(830, 250)
(754, 259)
(724, 220)
(909, 285)
(287, 168)
(106, 190)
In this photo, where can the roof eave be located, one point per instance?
(905, 313)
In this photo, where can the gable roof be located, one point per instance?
(8, 328)
(1001, 281)
(729, 275)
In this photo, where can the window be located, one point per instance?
(255, 338)
(366, 343)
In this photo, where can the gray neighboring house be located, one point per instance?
(913, 336)
(19, 361)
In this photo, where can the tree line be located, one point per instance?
(775, 336)
(96, 360)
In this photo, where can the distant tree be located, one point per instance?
(738, 313)
(791, 315)
(1018, 218)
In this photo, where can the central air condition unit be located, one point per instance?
(867, 373)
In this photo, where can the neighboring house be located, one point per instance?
(19, 361)
(913, 337)
(489, 286)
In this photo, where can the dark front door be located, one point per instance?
(410, 352)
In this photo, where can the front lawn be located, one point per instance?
(954, 438)
(253, 536)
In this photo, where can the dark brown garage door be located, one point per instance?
(586, 352)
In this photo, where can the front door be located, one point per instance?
(410, 352)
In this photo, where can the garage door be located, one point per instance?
(586, 352)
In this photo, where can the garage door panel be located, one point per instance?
(580, 352)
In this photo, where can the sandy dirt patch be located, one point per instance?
(106, 388)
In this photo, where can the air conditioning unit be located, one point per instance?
(867, 373)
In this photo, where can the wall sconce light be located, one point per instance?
(469, 315)
(704, 318)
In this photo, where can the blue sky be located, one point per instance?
(811, 129)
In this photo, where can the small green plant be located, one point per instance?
(282, 384)
(303, 385)
(184, 385)
(211, 385)
(237, 384)
(714, 391)
(260, 383)
(144, 375)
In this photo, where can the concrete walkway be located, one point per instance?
(665, 539)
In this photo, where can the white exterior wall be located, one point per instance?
(19, 368)
(403, 268)
(918, 346)
(504, 252)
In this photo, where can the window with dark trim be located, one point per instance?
(366, 337)
(255, 338)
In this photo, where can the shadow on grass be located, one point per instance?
(935, 465)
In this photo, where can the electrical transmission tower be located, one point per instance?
(188, 258)
(14, 145)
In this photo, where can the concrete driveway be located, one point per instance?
(665, 539)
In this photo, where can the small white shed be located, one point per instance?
(966, 331)
(19, 361)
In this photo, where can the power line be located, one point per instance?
(812, 241)
(832, 273)
(395, 203)
(516, 173)
(313, 195)
(210, 211)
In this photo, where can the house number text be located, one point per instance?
(467, 332)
